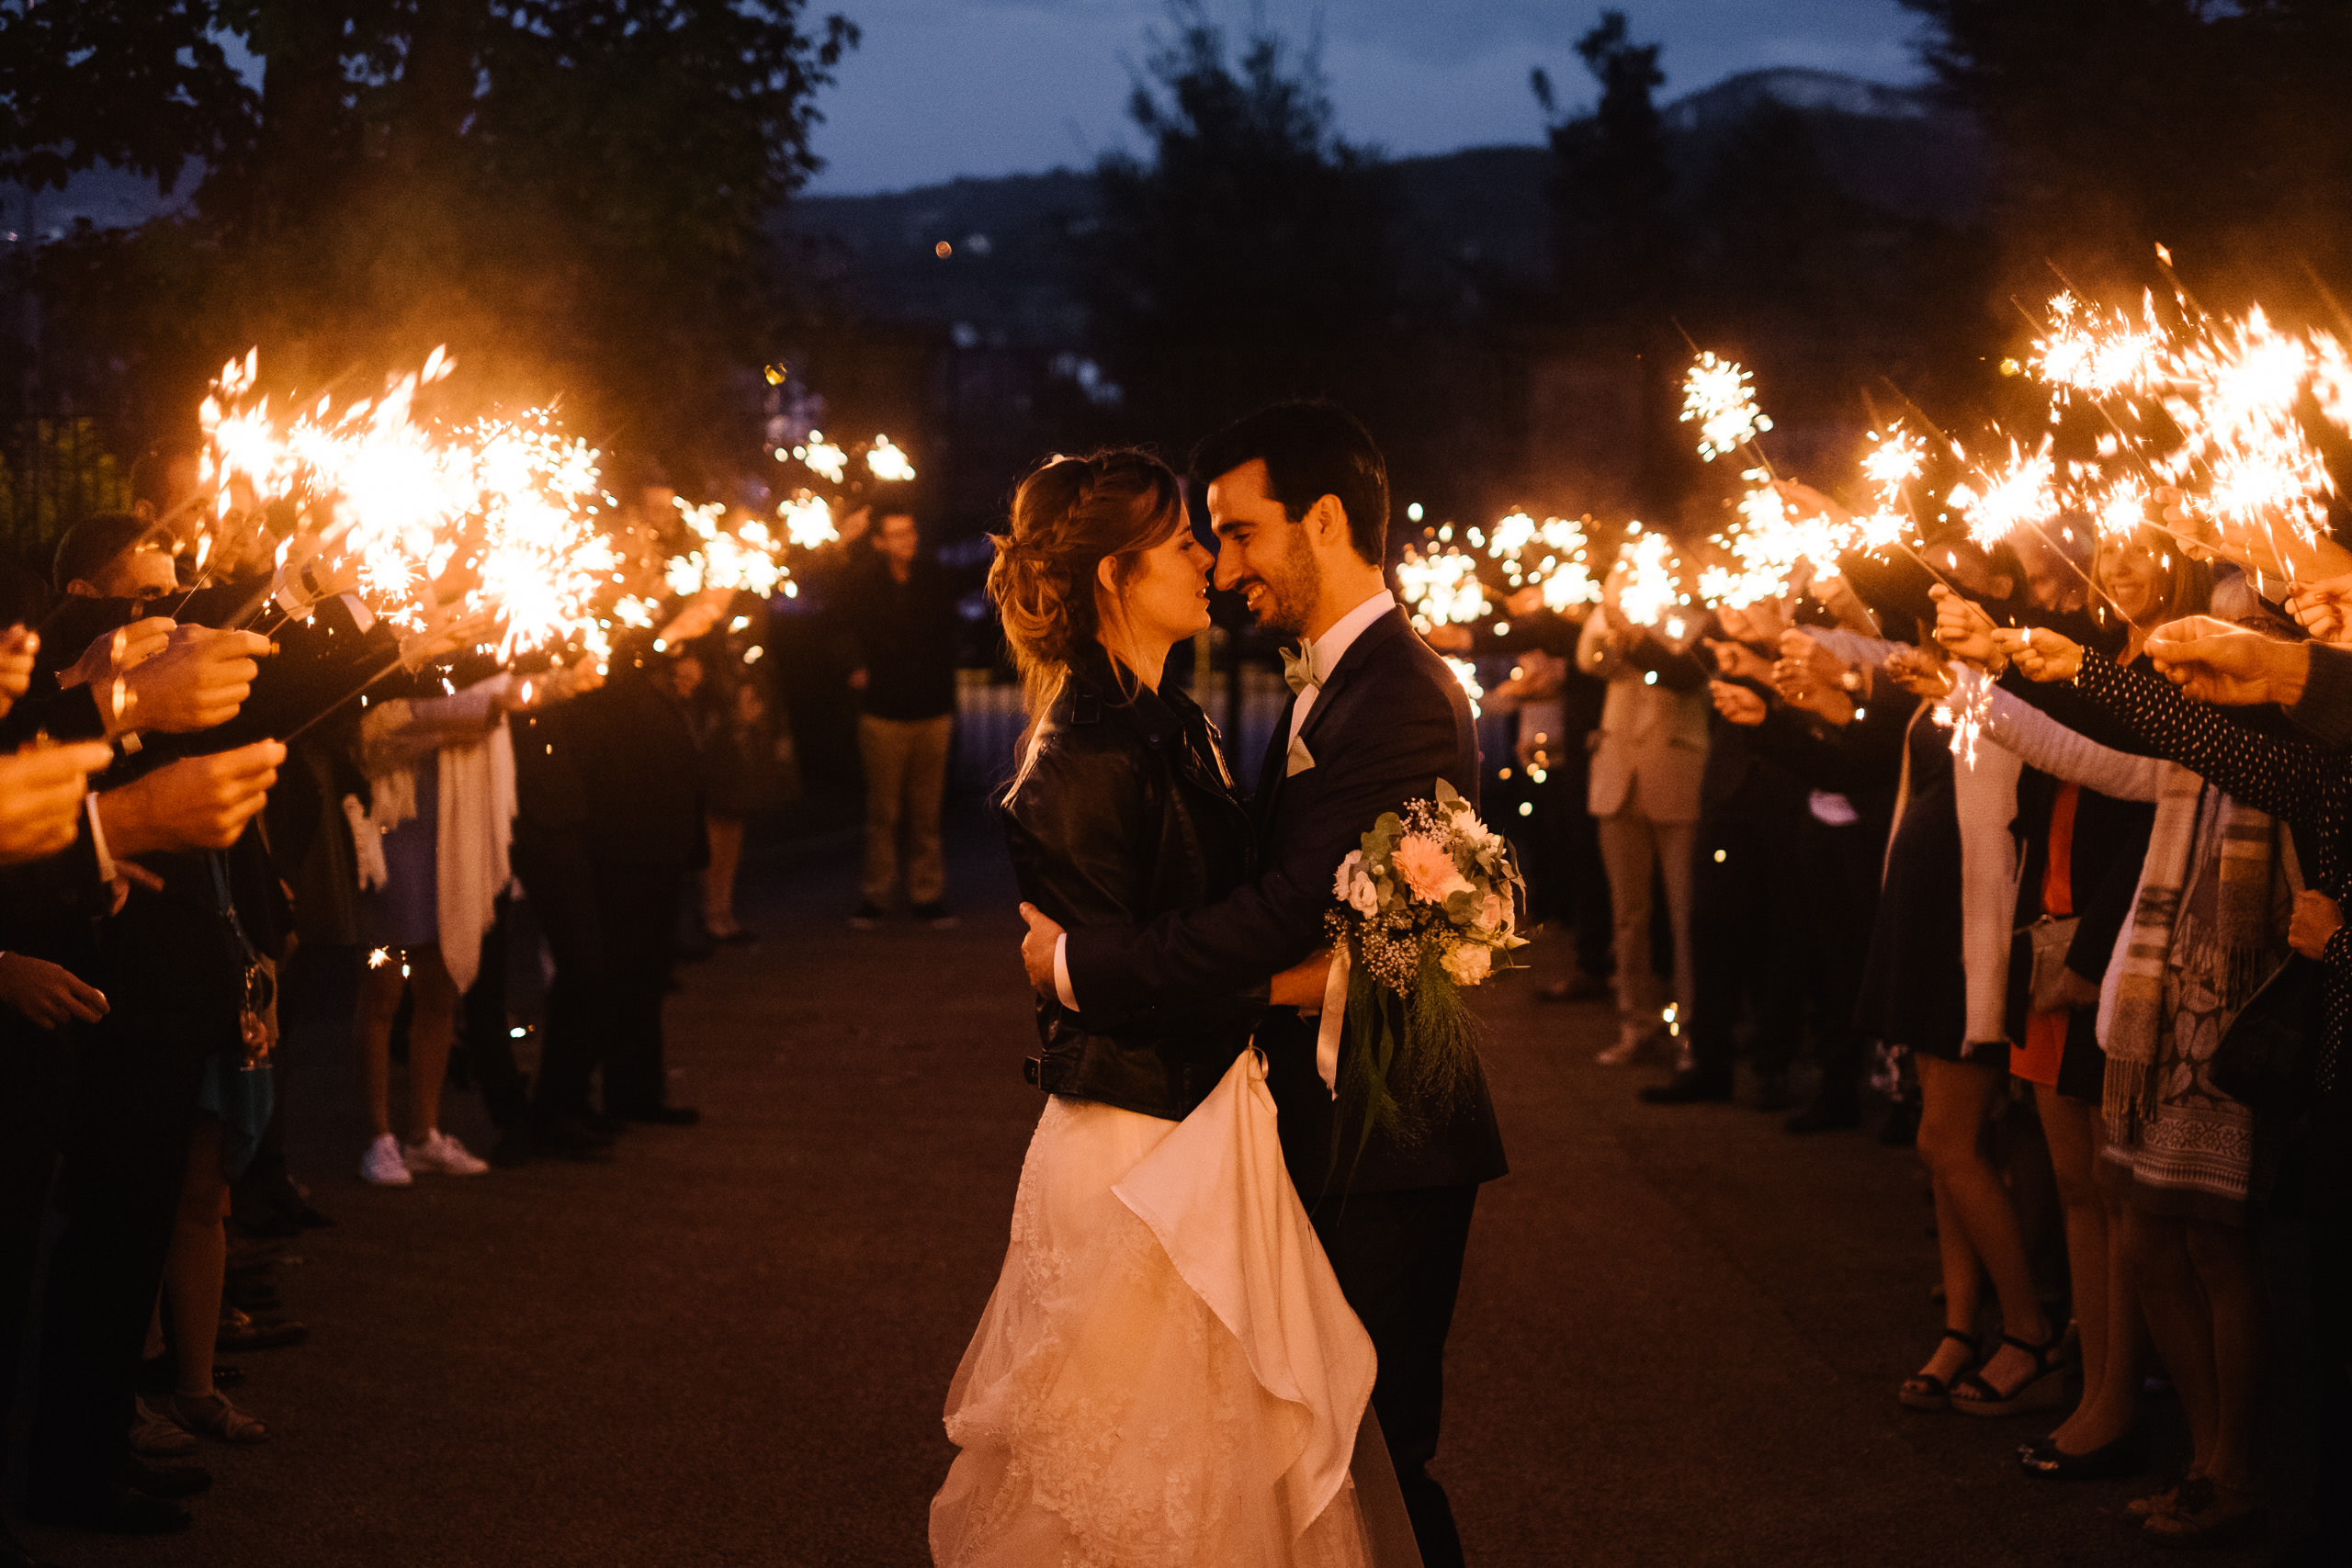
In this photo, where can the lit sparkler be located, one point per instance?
(884, 461)
(1718, 396)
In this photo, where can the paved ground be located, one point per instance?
(1677, 1340)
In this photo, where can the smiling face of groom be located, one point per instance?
(1262, 555)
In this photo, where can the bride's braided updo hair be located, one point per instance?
(1067, 517)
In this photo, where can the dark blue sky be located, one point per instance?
(947, 88)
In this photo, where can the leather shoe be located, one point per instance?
(666, 1116)
(1689, 1087)
(116, 1510)
(2128, 1455)
(241, 1331)
(604, 1124)
(1825, 1116)
(169, 1481)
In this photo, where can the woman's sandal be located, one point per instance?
(2218, 1515)
(2192, 1491)
(1975, 1395)
(214, 1415)
(1925, 1390)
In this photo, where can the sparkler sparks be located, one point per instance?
(884, 461)
(1441, 588)
(1717, 395)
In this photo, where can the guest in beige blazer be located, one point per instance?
(1647, 756)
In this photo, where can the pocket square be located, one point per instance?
(1301, 759)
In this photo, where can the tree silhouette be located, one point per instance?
(1251, 257)
(570, 193)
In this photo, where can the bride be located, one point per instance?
(1167, 1372)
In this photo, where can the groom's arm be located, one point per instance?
(1263, 926)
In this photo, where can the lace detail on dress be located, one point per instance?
(1107, 1419)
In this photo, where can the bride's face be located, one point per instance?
(1166, 599)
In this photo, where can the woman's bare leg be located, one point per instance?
(432, 1026)
(726, 835)
(2180, 1324)
(1954, 1100)
(2072, 1128)
(199, 1260)
(379, 1004)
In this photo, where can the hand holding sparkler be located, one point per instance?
(198, 803)
(1964, 630)
(2321, 607)
(199, 679)
(40, 797)
(1737, 702)
(113, 654)
(18, 647)
(2214, 661)
(1919, 673)
(2040, 653)
(1738, 662)
(1803, 682)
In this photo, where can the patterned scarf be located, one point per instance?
(2248, 859)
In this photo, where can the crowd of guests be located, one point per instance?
(2030, 837)
(231, 799)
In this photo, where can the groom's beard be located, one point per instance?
(1291, 591)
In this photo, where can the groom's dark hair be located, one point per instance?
(1311, 449)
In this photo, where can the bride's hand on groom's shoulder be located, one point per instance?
(1300, 986)
(1037, 949)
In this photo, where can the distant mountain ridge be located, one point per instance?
(1477, 213)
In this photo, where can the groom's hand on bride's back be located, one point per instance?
(1037, 949)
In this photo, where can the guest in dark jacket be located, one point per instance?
(898, 612)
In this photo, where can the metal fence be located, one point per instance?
(54, 471)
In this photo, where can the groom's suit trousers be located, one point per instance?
(1398, 1259)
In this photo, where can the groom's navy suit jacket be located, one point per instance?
(1389, 722)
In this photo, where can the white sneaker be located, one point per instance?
(382, 1164)
(442, 1154)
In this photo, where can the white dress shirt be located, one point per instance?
(1323, 655)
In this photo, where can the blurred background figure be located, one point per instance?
(899, 617)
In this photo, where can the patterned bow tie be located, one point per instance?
(1298, 668)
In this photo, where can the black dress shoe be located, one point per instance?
(604, 1124)
(1689, 1087)
(666, 1116)
(118, 1510)
(170, 1481)
(1825, 1116)
(2128, 1455)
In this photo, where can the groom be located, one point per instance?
(1298, 498)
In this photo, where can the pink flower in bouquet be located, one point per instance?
(1426, 869)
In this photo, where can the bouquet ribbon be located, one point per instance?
(1335, 1018)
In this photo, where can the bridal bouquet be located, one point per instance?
(1428, 906)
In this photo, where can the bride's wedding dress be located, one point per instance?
(1167, 1373)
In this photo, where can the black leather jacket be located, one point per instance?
(1121, 811)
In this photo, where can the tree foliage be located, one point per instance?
(1614, 242)
(2222, 130)
(570, 193)
(1250, 257)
